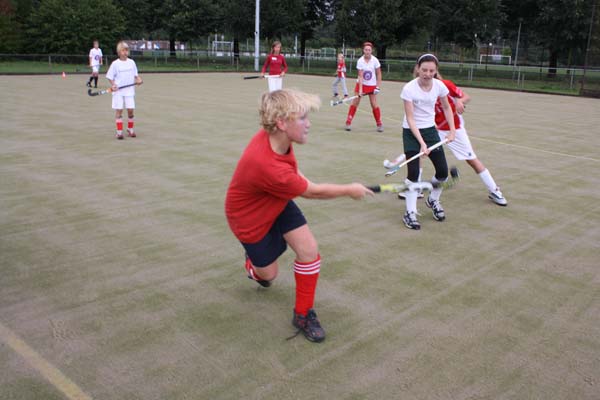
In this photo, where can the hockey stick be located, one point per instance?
(423, 185)
(260, 76)
(334, 103)
(395, 169)
(109, 90)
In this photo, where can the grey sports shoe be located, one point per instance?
(410, 220)
(497, 197)
(436, 207)
(348, 127)
(379, 128)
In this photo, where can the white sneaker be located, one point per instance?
(387, 164)
(497, 197)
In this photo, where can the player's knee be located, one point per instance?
(308, 253)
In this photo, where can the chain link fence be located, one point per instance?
(486, 73)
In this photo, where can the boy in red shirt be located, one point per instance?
(259, 206)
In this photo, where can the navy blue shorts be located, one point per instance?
(270, 247)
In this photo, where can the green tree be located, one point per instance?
(237, 18)
(70, 26)
(314, 14)
(383, 22)
(279, 18)
(562, 25)
(459, 21)
(140, 18)
(11, 35)
(186, 19)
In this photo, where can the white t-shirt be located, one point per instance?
(423, 102)
(368, 69)
(123, 73)
(95, 56)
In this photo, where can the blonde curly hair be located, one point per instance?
(285, 105)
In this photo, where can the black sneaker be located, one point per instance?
(251, 276)
(410, 220)
(88, 84)
(309, 325)
(436, 207)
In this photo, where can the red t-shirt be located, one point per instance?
(341, 69)
(440, 119)
(275, 64)
(261, 186)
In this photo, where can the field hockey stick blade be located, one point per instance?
(251, 77)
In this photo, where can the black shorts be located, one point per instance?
(270, 247)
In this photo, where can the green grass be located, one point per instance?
(119, 269)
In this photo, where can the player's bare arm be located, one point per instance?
(331, 190)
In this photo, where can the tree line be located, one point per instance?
(69, 26)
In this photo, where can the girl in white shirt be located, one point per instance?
(419, 133)
(368, 82)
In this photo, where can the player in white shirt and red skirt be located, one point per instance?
(368, 82)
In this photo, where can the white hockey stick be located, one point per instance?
(259, 76)
(395, 169)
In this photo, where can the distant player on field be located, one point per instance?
(276, 65)
(122, 72)
(369, 81)
(259, 203)
(461, 146)
(94, 62)
(340, 77)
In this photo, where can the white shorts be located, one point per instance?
(275, 84)
(461, 146)
(118, 101)
(95, 69)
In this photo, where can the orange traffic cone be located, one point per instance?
(64, 75)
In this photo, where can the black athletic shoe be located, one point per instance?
(309, 325)
(250, 273)
(89, 84)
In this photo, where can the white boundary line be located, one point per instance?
(50, 372)
(536, 149)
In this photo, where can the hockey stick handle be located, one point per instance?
(260, 76)
(397, 167)
(109, 90)
(347, 99)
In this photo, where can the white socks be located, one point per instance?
(488, 181)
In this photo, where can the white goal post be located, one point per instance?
(494, 59)
(222, 48)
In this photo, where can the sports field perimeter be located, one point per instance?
(119, 278)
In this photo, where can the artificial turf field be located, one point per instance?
(119, 277)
